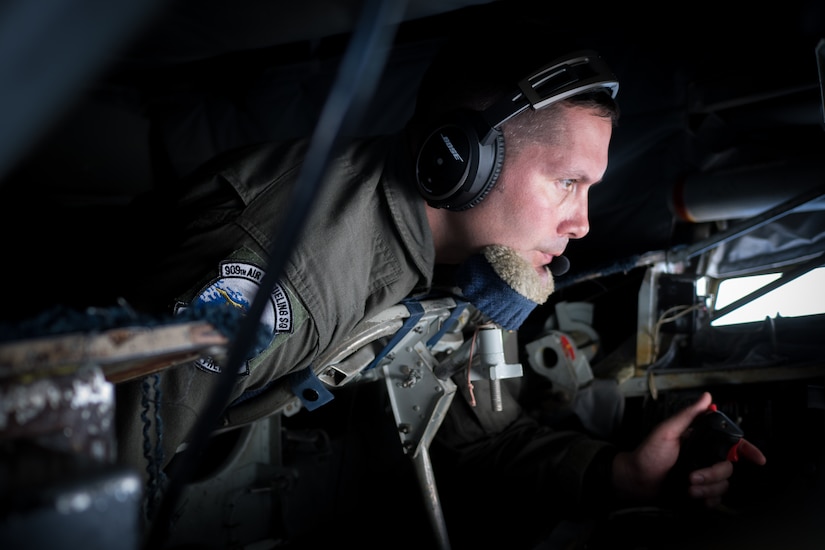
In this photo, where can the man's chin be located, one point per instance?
(534, 283)
(544, 274)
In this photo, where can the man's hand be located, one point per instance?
(711, 483)
(640, 475)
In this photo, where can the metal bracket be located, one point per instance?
(419, 401)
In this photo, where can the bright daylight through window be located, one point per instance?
(804, 295)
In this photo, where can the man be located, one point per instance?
(493, 198)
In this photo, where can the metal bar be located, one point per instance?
(677, 379)
(682, 254)
(123, 353)
(426, 479)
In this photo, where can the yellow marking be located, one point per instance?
(228, 298)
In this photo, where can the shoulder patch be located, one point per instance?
(236, 286)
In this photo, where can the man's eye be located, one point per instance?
(567, 184)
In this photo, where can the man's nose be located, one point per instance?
(578, 224)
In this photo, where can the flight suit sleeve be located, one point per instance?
(191, 253)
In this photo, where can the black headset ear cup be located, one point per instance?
(454, 169)
(491, 178)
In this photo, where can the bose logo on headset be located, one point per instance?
(460, 160)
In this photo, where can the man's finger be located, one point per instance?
(751, 452)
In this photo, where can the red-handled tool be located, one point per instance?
(712, 437)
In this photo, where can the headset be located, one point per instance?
(460, 161)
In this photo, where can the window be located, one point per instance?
(804, 295)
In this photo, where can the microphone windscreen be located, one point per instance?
(559, 265)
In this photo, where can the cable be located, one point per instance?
(356, 80)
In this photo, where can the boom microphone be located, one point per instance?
(559, 265)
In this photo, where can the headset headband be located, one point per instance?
(562, 78)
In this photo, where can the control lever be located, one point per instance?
(492, 363)
(712, 437)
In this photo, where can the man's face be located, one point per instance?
(539, 202)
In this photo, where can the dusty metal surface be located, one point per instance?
(123, 353)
